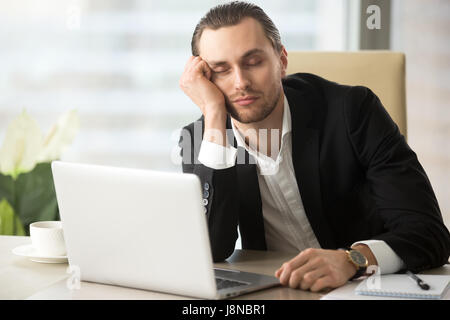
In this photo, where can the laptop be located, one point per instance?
(143, 229)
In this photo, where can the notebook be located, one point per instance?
(402, 286)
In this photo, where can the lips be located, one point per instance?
(245, 101)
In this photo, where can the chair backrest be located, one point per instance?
(381, 71)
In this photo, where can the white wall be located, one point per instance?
(421, 29)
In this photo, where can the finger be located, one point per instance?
(297, 276)
(193, 65)
(322, 283)
(278, 272)
(295, 279)
(304, 262)
(280, 269)
(203, 68)
(189, 63)
(291, 265)
(194, 71)
(285, 273)
(310, 278)
(302, 257)
(208, 72)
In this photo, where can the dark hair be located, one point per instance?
(231, 14)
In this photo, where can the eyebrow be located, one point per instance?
(245, 55)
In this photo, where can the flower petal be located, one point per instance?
(22, 144)
(60, 136)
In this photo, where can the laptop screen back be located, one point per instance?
(135, 228)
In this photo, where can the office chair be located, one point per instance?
(381, 71)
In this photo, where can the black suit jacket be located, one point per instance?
(357, 177)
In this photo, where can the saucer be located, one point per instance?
(30, 252)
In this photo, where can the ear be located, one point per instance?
(283, 61)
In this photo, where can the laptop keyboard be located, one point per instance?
(224, 284)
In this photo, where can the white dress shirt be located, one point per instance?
(286, 225)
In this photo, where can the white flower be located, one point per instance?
(21, 147)
(60, 137)
(24, 145)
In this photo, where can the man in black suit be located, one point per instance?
(299, 163)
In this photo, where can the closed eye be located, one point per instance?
(254, 62)
(220, 71)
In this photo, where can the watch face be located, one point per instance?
(358, 258)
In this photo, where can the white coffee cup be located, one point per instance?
(47, 238)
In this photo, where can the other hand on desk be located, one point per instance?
(316, 269)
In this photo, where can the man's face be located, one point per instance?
(245, 67)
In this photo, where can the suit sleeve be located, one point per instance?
(219, 190)
(413, 225)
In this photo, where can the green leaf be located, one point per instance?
(10, 223)
(6, 218)
(35, 196)
(19, 229)
(7, 188)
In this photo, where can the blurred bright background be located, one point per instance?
(118, 63)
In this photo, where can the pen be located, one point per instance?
(420, 282)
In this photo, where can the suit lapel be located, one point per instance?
(306, 111)
(251, 223)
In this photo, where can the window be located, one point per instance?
(118, 63)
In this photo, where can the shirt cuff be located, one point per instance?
(388, 260)
(216, 156)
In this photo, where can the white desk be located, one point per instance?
(21, 278)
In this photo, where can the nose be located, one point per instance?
(241, 80)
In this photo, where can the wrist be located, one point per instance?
(215, 119)
(357, 260)
(365, 250)
(349, 268)
(215, 128)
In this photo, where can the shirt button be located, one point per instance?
(205, 194)
(205, 210)
(206, 186)
(205, 202)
